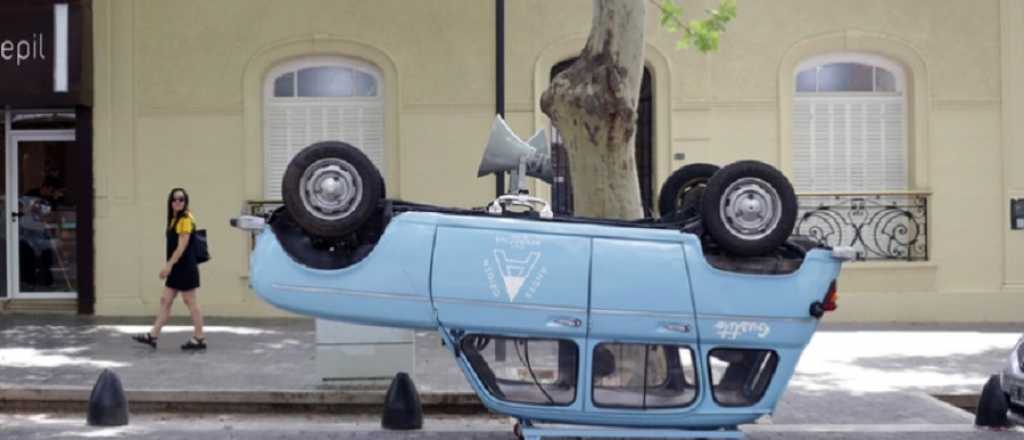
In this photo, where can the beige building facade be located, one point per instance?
(186, 93)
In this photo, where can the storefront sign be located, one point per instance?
(41, 52)
(21, 51)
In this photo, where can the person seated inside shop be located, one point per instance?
(36, 253)
(51, 190)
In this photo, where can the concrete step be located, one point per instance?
(39, 306)
(41, 398)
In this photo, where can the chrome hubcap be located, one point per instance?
(750, 208)
(331, 189)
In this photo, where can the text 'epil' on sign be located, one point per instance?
(23, 50)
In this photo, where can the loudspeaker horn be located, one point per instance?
(504, 151)
(539, 163)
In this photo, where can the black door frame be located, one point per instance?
(83, 182)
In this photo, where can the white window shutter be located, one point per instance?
(293, 125)
(292, 122)
(849, 143)
(803, 133)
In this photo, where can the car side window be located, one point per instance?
(739, 377)
(641, 376)
(525, 370)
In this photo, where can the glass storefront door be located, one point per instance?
(41, 213)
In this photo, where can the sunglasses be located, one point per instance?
(178, 199)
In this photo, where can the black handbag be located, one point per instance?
(200, 246)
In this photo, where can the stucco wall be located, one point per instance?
(178, 102)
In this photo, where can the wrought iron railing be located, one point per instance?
(881, 226)
(262, 207)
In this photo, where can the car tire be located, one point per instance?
(749, 208)
(993, 405)
(331, 188)
(681, 191)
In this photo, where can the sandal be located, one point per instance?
(194, 343)
(145, 338)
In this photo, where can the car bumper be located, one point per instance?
(1013, 377)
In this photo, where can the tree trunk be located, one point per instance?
(593, 105)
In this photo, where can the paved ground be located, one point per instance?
(864, 382)
(249, 354)
(176, 426)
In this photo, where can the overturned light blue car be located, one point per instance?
(602, 325)
(684, 326)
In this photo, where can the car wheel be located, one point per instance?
(331, 188)
(681, 191)
(749, 208)
(992, 405)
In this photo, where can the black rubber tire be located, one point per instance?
(715, 224)
(673, 194)
(373, 189)
(993, 405)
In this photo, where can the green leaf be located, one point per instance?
(703, 34)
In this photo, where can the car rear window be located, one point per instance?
(739, 377)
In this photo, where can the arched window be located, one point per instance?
(849, 125)
(318, 99)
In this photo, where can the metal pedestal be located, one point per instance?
(349, 354)
(530, 432)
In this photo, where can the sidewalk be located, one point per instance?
(249, 361)
(849, 374)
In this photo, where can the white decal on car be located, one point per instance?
(734, 329)
(515, 272)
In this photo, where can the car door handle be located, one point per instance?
(677, 327)
(566, 322)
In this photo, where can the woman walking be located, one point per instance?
(181, 272)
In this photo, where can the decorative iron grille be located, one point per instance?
(881, 226)
(261, 208)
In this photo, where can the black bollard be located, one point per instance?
(402, 408)
(108, 405)
(992, 405)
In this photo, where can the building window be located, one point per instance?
(320, 99)
(849, 125)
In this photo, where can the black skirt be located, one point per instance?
(185, 273)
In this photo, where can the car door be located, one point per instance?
(642, 343)
(511, 295)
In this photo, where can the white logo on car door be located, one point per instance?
(516, 265)
(515, 272)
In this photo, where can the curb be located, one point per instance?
(334, 401)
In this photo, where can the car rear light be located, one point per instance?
(831, 298)
(828, 304)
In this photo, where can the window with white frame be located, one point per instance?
(320, 99)
(849, 125)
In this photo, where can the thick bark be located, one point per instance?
(593, 105)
